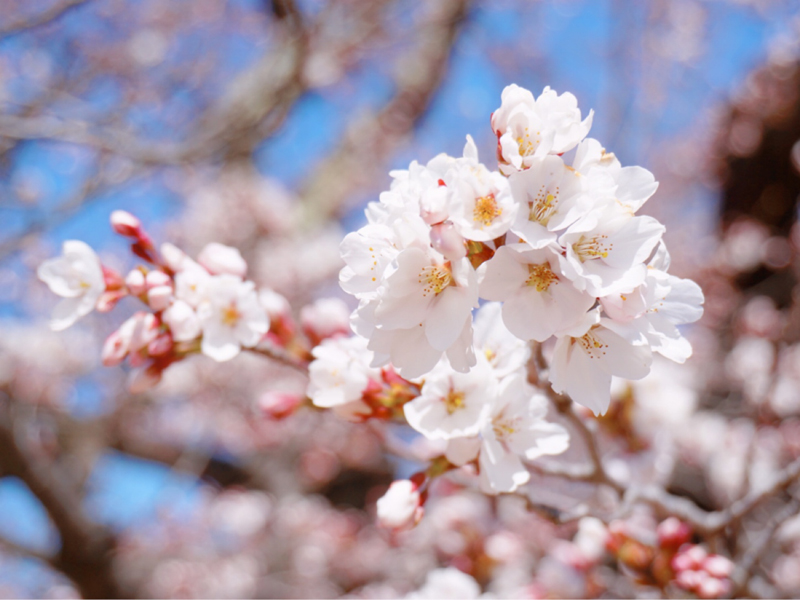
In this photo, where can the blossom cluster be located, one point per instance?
(553, 235)
(192, 306)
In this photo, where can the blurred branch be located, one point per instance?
(746, 565)
(709, 523)
(25, 23)
(23, 551)
(370, 138)
(86, 547)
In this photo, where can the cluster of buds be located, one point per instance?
(192, 306)
(706, 575)
(671, 560)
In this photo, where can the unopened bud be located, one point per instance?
(124, 223)
(157, 279)
(278, 405)
(160, 346)
(718, 566)
(135, 282)
(673, 533)
(174, 258)
(117, 345)
(219, 259)
(159, 297)
(711, 587)
(447, 241)
(108, 300)
(400, 508)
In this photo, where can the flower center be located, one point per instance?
(486, 210)
(540, 277)
(543, 206)
(454, 401)
(527, 145)
(591, 248)
(435, 279)
(231, 315)
(504, 428)
(592, 345)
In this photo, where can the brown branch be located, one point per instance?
(597, 472)
(86, 547)
(20, 550)
(46, 16)
(280, 355)
(370, 138)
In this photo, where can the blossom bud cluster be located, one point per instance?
(553, 235)
(204, 306)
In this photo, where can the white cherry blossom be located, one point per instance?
(231, 317)
(425, 290)
(586, 357)
(340, 373)
(552, 196)
(453, 404)
(400, 507)
(505, 352)
(538, 301)
(182, 321)
(529, 129)
(516, 429)
(76, 276)
(607, 248)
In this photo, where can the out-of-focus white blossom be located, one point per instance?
(76, 276)
(400, 507)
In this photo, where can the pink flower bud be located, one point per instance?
(718, 566)
(157, 279)
(689, 579)
(689, 557)
(447, 241)
(400, 508)
(135, 282)
(145, 330)
(118, 344)
(219, 259)
(173, 257)
(281, 323)
(278, 405)
(112, 279)
(711, 587)
(108, 300)
(325, 318)
(159, 297)
(160, 346)
(124, 223)
(673, 533)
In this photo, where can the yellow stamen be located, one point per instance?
(435, 279)
(454, 401)
(591, 248)
(231, 315)
(540, 277)
(590, 343)
(543, 206)
(486, 210)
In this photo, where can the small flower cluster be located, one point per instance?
(553, 235)
(670, 558)
(204, 306)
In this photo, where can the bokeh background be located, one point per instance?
(267, 125)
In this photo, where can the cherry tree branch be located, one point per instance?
(21, 24)
(86, 547)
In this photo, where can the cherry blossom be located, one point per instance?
(230, 317)
(76, 276)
